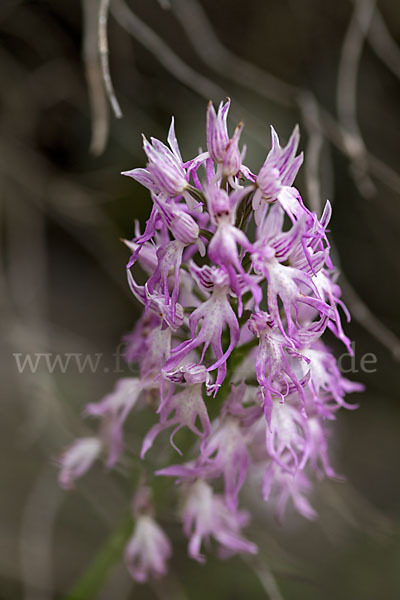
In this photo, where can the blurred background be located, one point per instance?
(332, 67)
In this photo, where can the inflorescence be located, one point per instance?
(240, 288)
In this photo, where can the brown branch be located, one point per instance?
(346, 97)
(313, 151)
(383, 44)
(94, 78)
(200, 33)
(103, 51)
(201, 85)
(368, 320)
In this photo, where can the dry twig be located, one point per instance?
(94, 78)
(103, 50)
(346, 96)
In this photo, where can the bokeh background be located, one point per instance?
(333, 67)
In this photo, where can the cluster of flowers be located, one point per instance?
(240, 290)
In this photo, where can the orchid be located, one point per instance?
(275, 178)
(205, 514)
(78, 459)
(285, 486)
(213, 314)
(273, 357)
(147, 551)
(239, 289)
(187, 406)
(114, 409)
(222, 150)
(165, 173)
(149, 548)
(223, 247)
(227, 453)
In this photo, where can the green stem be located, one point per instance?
(207, 234)
(244, 211)
(90, 582)
(197, 194)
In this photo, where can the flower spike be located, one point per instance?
(237, 288)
